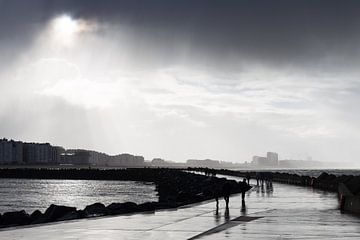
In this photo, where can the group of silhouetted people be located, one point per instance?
(226, 189)
(263, 177)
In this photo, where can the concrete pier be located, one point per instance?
(277, 212)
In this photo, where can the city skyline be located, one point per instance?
(183, 79)
(17, 152)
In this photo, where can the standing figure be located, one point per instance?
(248, 177)
(257, 178)
(226, 191)
(244, 189)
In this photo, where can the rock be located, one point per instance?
(147, 207)
(354, 184)
(36, 215)
(323, 176)
(73, 215)
(166, 205)
(119, 208)
(96, 209)
(15, 218)
(184, 197)
(56, 211)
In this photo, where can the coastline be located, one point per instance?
(175, 188)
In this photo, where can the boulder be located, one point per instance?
(354, 185)
(56, 211)
(323, 176)
(119, 208)
(36, 215)
(73, 215)
(15, 218)
(96, 209)
(165, 205)
(147, 207)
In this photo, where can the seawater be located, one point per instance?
(317, 172)
(311, 172)
(33, 194)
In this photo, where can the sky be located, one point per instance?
(181, 80)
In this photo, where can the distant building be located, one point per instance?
(259, 161)
(126, 159)
(40, 153)
(86, 157)
(271, 160)
(158, 162)
(16, 152)
(11, 152)
(76, 157)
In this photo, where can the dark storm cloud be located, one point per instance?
(158, 77)
(275, 31)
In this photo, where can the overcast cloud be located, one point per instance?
(184, 79)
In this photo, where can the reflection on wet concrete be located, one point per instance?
(243, 209)
(227, 215)
(263, 190)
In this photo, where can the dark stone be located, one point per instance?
(55, 211)
(73, 215)
(36, 215)
(96, 209)
(323, 176)
(166, 205)
(119, 208)
(15, 218)
(354, 184)
(147, 207)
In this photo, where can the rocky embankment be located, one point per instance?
(325, 181)
(175, 188)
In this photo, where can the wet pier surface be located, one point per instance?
(277, 212)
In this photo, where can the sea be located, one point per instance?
(33, 194)
(309, 172)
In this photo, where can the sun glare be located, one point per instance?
(65, 25)
(64, 29)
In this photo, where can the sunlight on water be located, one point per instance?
(31, 194)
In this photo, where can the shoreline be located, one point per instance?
(175, 188)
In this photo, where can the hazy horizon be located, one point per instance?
(182, 80)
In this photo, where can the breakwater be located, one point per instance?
(175, 188)
(325, 181)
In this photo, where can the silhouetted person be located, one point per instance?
(226, 190)
(262, 177)
(257, 178)
(217, 195)
(244, 189)
(217, 202)
(248, 177)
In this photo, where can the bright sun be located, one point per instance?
(64, 29)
